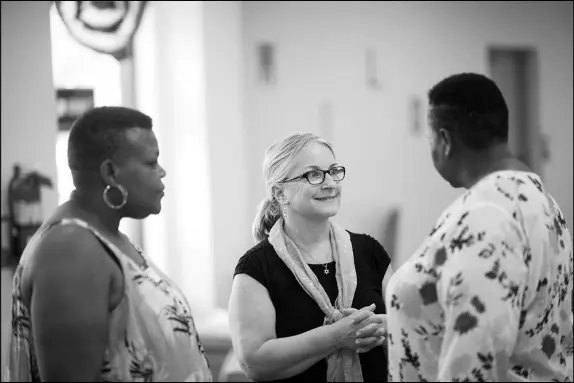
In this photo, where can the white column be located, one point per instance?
(224, 70)
(189, 78)
(170, 81)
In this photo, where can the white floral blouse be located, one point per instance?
(488, 295)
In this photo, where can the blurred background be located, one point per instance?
(224, 80)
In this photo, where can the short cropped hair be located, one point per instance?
(98, 134)
(470, 106)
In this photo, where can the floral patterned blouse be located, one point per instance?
(152, 335)
(488, 295)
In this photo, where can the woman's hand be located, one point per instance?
(355, 326)
(373, 331)
(346, 326)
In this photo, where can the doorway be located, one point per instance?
(515, 71)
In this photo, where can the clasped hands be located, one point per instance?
(361, 330)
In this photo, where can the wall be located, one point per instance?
(28, 109)
(198, 118)
(227, 140)
(321, 87)
(28, 100)
(214, 118)
(196, 105)
(180, 239)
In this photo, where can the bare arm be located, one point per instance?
(69, 305)
(265, 357)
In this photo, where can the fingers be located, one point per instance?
(377, 318)
(368, 330)
(371, 307)
(366, 312)
(372, 329)
(381, 331)
(360, 315)
(349, 311)
(367, 344)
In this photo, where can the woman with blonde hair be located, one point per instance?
(306, 301)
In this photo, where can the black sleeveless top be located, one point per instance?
(297, 312)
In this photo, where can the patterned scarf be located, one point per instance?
(344, 364)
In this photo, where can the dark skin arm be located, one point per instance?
(71, 279)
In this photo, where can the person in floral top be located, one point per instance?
(488, 294)
(88, 305)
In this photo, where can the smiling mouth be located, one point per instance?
(326, 198)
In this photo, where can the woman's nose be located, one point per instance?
(328, 183)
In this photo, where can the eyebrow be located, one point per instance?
(315, 167)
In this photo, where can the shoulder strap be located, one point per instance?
(110, 248)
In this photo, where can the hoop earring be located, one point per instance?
(124, 197)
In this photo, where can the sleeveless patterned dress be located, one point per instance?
(151, 336)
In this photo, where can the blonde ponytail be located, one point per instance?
(268, 212)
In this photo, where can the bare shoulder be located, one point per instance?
(67, 254)
(70, 298)
(68, 246)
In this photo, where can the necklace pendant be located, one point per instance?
(326, 271)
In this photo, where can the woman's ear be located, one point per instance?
(446, 139)
(108, 172)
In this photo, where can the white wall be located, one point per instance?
(224, 106)
(28, 110)
(28, 97)
(321, 61)
(188, 59)
(170, 87)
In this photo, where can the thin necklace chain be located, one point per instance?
(325, 265)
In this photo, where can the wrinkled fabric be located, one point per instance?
(487, 296)
(152, 335)
(343, 365)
